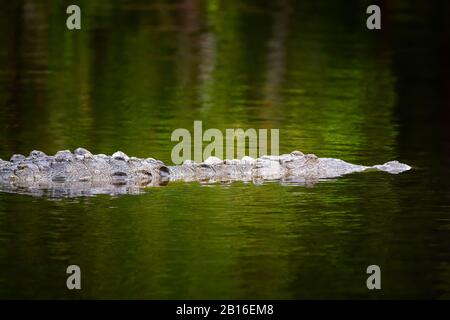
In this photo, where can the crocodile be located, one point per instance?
(82, 173)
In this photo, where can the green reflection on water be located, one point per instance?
(127, 81)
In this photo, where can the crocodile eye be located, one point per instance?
(22, 166)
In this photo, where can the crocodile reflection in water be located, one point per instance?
(82, 173)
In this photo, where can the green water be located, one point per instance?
(138, 70)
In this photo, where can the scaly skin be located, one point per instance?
(82, 173)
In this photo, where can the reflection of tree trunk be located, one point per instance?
(208, 53)
(35, 41)
(29, 65)
(191, 10)
(187, 44)
(277, 53)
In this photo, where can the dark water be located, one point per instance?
(138, 70)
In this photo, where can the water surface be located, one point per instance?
(137, 71)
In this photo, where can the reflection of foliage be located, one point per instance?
(125, 79)
(189, 241)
